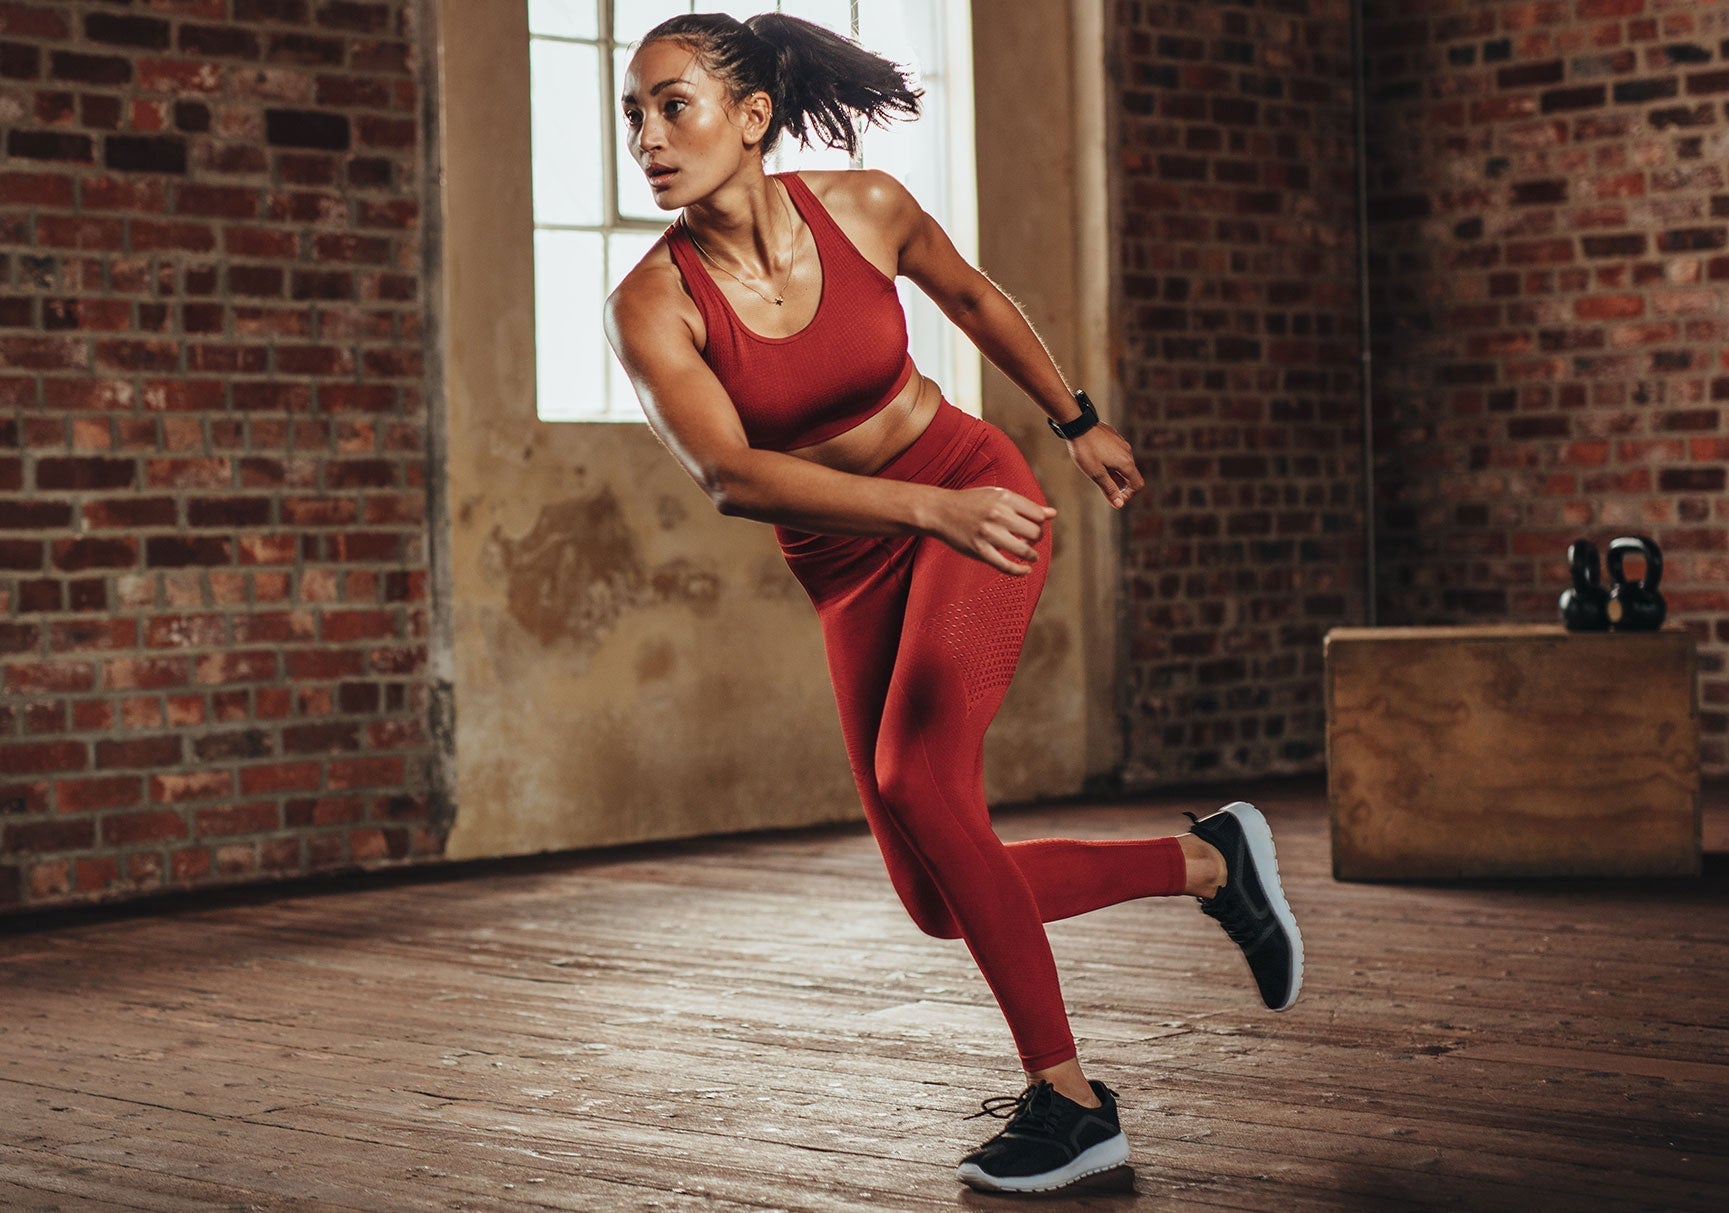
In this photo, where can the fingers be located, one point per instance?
(1026, 518)
(1114, 471)
(1013, 532)
(997, 560)
(1136, 484)
(1117, 494)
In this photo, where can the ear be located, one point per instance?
(755, 113)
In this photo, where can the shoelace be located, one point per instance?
(1242, 928)
(1232, 913)
(1026, 1108)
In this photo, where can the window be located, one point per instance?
(595, 218)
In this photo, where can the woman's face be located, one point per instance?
(681, 126)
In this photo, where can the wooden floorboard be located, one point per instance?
(753, 1023)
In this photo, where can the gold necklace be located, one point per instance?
(780, 297)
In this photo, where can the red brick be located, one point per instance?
(159, 751)
(40, 757)
(337, 626)
(35, 189)
(19, 637)
(95, 873)
(266, 549)
(81, 393)
(366, 772)
(146, 673)
(302, 812)
(275, 627)
(186, 631)
(324, 663)
(35, 677)
(238, 819)
(72, 555)
(92, 715)
(128, 829)
(236, 666)
(194, 785)
(280, 777)
(77, 634)
(44, 837)
(105, 792)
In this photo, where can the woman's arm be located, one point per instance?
(1001, 331)
(691, 413)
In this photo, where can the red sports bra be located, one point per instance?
(839, 370)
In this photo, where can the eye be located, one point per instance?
(632, 117)
(669, 111)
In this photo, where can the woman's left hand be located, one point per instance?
(1104, 457)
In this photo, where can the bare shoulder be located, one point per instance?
(653, 293)
(871, 194)
(872, 207)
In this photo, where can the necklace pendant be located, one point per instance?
(778, 301)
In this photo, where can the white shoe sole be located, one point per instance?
(1259, 836)
(1111, 1152)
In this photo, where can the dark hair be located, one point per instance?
(816, 78)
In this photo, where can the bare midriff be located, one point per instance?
(870, 445)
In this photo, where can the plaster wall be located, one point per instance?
(627, 664)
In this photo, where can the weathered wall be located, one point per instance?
(1238, 254)
(213, 593)
(1045, 238)
(1549, 217)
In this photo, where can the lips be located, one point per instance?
(659, 174)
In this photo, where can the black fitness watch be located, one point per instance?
(1074, 429)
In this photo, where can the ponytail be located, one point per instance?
(817, 80)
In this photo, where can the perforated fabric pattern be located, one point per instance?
(982, 631)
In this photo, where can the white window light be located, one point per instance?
(595, 218)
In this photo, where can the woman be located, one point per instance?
(767, 343)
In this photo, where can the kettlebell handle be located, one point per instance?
(1582, 561)
(1636, 545)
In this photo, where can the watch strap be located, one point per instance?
(1074, 429)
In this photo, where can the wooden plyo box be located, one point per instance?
(1513, 750)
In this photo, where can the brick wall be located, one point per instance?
(1549, 220)
(213, 590)
(1241, 353)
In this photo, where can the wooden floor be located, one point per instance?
(755, 1024)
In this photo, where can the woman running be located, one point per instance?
(768, 346)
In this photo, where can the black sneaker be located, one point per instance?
(1050, 1141)
(1251, 906)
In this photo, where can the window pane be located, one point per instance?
(789, 156)
(564, 18)
(568, 338)
(631, 19)
(564, 95)
(897, 30)
(625, 249)
(835, 14)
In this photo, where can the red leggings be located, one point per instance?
(922, 642)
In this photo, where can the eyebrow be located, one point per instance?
(655, 91)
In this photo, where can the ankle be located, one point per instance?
(1083, 1095)
(1070, 1082)
(1204, 867)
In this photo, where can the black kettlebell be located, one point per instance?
(1585, 607)
(1636, 606)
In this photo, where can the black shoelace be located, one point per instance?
(1026, 1110)
(1231, 913)
(1243, 928)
